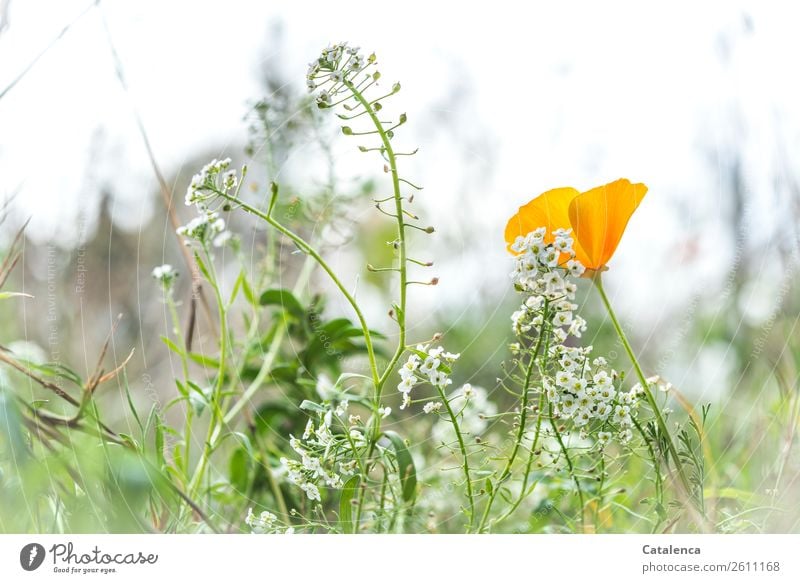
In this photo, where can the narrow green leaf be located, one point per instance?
(405, 466)
(307, 405)
(172, 346)
(349, 492)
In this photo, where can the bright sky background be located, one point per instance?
(543, 94)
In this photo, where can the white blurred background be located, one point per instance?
(697, 100)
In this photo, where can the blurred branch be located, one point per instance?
(32, 64)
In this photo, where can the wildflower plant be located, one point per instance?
(295, 420)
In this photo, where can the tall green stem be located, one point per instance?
(522, 420)
(401, 238)
(464, 454)
(598, 283)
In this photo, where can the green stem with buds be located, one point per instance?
(401, 239)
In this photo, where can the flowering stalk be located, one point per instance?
(598, 283)
(463, 448)
(401, 238)
(506, 473)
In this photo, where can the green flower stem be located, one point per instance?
(570, 465)
(402, 269)
(462, 446)
(521, 432)
(528, 466)
(216, 411)
(656, 466)
(598, 283)
(401, 237)
(181, 342)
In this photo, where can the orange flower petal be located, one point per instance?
(599, 217)
(550, 210)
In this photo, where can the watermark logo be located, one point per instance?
(32, 556)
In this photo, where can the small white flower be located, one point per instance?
(166, 274)
(568, 405)
(549, 258)
(311, 491)
(430, 365)
(582, 416)
(606, 393)
(604, 437)
(384, 412)
(603, 410)
(562, 319)
(432, 407)
(622, 415)
(577, 384)
(440, 379)
(602, 380)
(406, 385)
(575, 268)
(564, 378)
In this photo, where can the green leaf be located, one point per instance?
(239, 469)
(6, 295)
(248, 291)
(405, 466)
(172, 346)
(202, 266)
(283, 298)
(160, 443)
(204, 360)
(349, 491)
(307, 405)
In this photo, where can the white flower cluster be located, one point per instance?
(214, 179)
(166, 274)
(584, 391)
(543, 270)
(336, 65)
(580, 389)
(431, 365)
(265, 523)
(319, 450)
(207, 227)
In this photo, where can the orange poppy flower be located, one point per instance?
(597, 217)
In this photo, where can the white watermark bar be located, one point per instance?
(388, 558)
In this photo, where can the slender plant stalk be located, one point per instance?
(570, 465)
(521, 432)
(401, 238)
(598, 283)
(462, 446)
